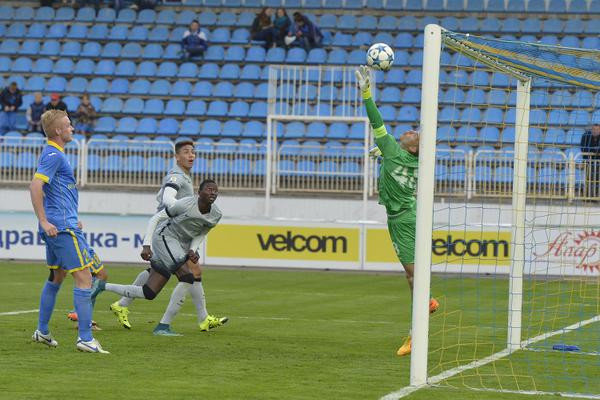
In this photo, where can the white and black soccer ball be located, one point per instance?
(380, 56)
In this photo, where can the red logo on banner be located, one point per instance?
(583, 247)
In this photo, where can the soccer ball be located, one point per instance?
(380, 56)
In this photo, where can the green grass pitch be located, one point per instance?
(291, 335)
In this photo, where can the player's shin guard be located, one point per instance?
(47, 301)
(83, 306)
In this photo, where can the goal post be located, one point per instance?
(503, 212)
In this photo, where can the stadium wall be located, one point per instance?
(320, 233)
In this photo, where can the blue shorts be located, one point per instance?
(69, 251)
(96, 263)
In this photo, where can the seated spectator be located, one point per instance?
(282, 25)
(34, 113)
(56, 103)
(262, 28)
(86, 114)
(304, 33)
(194, 42)
(10, 101)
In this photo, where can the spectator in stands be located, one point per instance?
(194, 42)
(34, 113)
(590, 146)
(282, 25)
(56, 103)
(262, 28)
(10, 100)
(86, 114)
(304, 33)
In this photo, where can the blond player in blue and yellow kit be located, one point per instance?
(397, 187)
(55, 200)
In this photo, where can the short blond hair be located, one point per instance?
(49, 119)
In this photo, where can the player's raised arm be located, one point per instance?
(386, 143)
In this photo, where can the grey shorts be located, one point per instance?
(167, 255)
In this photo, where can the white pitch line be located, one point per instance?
(405, 391)
(18, 312)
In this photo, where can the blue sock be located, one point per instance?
(83, 306)
(47, 301)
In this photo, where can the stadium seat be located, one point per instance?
(211, 127)
(146, 17)
(202, 89)
(104, 67)
(174, 107)
(258, 109)
(196, 108)
(146, 126)
(56, 84)
(223, 89)
(70, 49)
(167, 69)
(91, 49)
(217, 108)
(209, 71)
(254, 129)
(153, 106)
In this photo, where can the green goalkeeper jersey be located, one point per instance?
(397, 176)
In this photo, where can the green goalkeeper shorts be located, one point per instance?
(402, 228)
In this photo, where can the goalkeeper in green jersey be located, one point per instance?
(397, 187)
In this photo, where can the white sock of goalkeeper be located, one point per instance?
(175, 303)
(197, 292)
(140, 280)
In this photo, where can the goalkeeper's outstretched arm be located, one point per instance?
(382, 139)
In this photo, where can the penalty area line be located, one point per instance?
(405, 391)
(18, 312)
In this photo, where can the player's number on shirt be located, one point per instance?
(403, 177)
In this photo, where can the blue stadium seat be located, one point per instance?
(35, 84)
(91, 49)
(126, 125)
(119, 32)
(50, 48)
(77, 85)
(255, 54)
(112, 105)
(202, 89)
(414, 77)
(145, 68)
(45, 66)
(36, 30)
(235, 54)
(146, 17)
(536, 6)
(531, 25)
(240, 36)
(578, 6)
(295, 55)
(209, 71)
(453, 96)
(30, 47)
(275, 55)
(98, 32)
(254, 129)
(127, 68)
(328, 21)
(570, 41)
(153, 106)
(23, 14)
(167, 69)
(126, 15)
(21, 64)
(223, 89)
(104, 67)
(239, 109)
(258, 109)
(230, 71)
(118, 86)
(56, 84)
(70, 49)
(158, 34)
(490, 24)
(189, 127)
(138, 33)
(220, 35)
(43, 14)
(181, 88)
(196, 107)
(214, 53)
(18, 30)
(232, 128)
(133, 105)
(583, 118)
(553, 25)
(211, 127)
(217, 108)
(493, 116)
(557, 6)
(146, 126)
(174, 107)
(131, 50)
(187, 70)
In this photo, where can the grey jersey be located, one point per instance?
(178, 180)
(187, 222)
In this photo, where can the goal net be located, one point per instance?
(515, 256)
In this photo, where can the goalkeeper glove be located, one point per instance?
(363, 77)
(375, 153)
